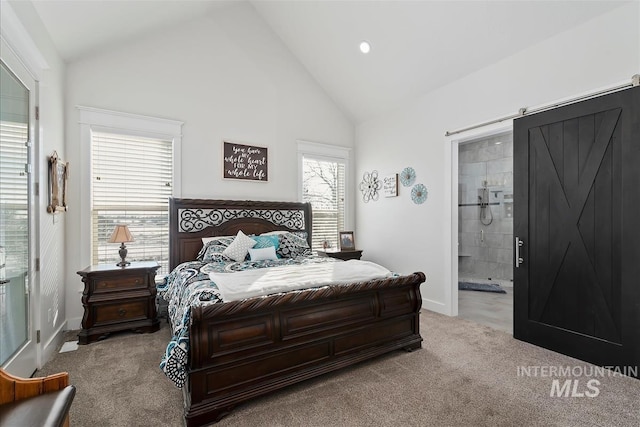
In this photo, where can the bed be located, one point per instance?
(238, 350)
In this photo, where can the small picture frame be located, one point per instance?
(347, 241)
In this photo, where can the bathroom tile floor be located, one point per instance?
(488, 308)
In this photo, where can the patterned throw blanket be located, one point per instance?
(189, 285)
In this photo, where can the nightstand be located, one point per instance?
(344, 255)
(117, 299)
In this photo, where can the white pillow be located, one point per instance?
(274, 233)
(240, 246)
(263, 253)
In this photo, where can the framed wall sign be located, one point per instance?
(390, 185)
(58, 174)
(245, 162)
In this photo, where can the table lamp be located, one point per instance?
(122, 235)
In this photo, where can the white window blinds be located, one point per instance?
(324, 187)
(131, 184)
(14, 201)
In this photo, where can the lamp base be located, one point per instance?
(123, 255)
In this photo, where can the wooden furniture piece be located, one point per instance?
(243, 349)
(43, 401)
(343, 255)
(118, 298)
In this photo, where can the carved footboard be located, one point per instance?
(243, 349)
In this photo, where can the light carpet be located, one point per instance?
(465, 375)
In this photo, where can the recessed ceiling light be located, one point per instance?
(365, 47)
(498, 142)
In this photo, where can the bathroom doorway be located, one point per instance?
(485, 230)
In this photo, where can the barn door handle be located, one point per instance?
(519, 259)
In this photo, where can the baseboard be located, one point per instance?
(74, 323)
(51, 346)
(436, 306)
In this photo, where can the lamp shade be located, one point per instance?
(121, 234)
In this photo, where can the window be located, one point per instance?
(131, 184)
(133, 172)
(14, 207)
(323, 184)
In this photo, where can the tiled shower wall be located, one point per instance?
(486, 251)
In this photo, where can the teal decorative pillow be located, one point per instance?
(265, 241)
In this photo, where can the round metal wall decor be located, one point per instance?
(370, 186)
(419, 194)
(407, 176)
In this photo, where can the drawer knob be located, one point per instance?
(137, 281)
(122, 312)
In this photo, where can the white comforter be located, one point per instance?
(251, 283)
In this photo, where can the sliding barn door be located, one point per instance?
(577, 214)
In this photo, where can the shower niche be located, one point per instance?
(485, 208)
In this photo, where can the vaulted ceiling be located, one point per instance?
(416, 46)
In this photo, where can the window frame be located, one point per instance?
(329, 153)
(100, 120)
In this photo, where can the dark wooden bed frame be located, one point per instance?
(243, 349)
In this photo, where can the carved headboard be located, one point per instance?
(192, 219)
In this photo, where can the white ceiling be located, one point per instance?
(82, 27)
(417, 46)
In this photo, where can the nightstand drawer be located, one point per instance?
(120, 312)
(105, 284)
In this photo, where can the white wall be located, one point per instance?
(51, 245)
(408, 237)
(226, 76)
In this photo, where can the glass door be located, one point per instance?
(17, 346)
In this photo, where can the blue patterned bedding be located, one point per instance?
(188, 286)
